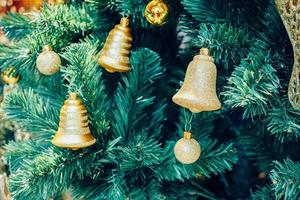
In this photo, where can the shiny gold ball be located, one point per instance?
(48, 62)
(8, 76)
(156, 12)
(187, 150)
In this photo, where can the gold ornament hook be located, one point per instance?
(47, 48)
(124, 21)
(187, 135)
(73, 96)
(204, 52)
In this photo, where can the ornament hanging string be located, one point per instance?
(188, 122)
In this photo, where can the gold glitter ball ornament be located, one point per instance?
(73, 132)
(198, 91)
(48, 62)
(187, 150)
(156, 12)
(290, 14)
(9, 77)
(114, 56)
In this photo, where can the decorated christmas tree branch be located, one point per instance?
(30, 149)
(83, 76)
(25, 107)
(213, 10)
(264, 193)
(216, 158)
(50, 173)
(259, 152)
(16, 26)
(63, 169)
(228, 44)
(286, 180)
(283, 122)
(252, 85)
(134, 96)
(66, 19)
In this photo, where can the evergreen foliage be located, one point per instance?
(131, 114)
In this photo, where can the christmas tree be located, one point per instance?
(63, 55)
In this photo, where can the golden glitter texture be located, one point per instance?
(187, 150)
(290, 14)
(198, 91)
(156, 12)
(4, 191)
(48, 62)
(114, 56)
(73, 131)
(8, 76)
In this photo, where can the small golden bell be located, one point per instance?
(73, 131)
(48, 62)
(156, 12)
(8, 76)
(114, 56)
(198, 91)
(187, 150)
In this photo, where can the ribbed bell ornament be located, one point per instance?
(73, 132)
(198, 91)
(114, 56)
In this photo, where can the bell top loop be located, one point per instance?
(73, 96)
(204, 55)
(204, 52)
(47, 48)
(187, 135)
(124, 21)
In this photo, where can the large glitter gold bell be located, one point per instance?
(73, 131)
(114, 56)
(198, 91)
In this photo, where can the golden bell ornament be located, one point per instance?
(73, 131)
(4, 191)
(114, 56)
(8, 76)
(187, 150)
(156, 12)
(198, 91)
(48, 62)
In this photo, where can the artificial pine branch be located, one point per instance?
(84, 76)
(286, 180)
(252, 84)
(228, 44)
(133, 94)
(26, 107)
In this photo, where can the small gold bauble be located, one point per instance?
(48, 62)
(8, 76)
(187, 150)
(156, 12)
